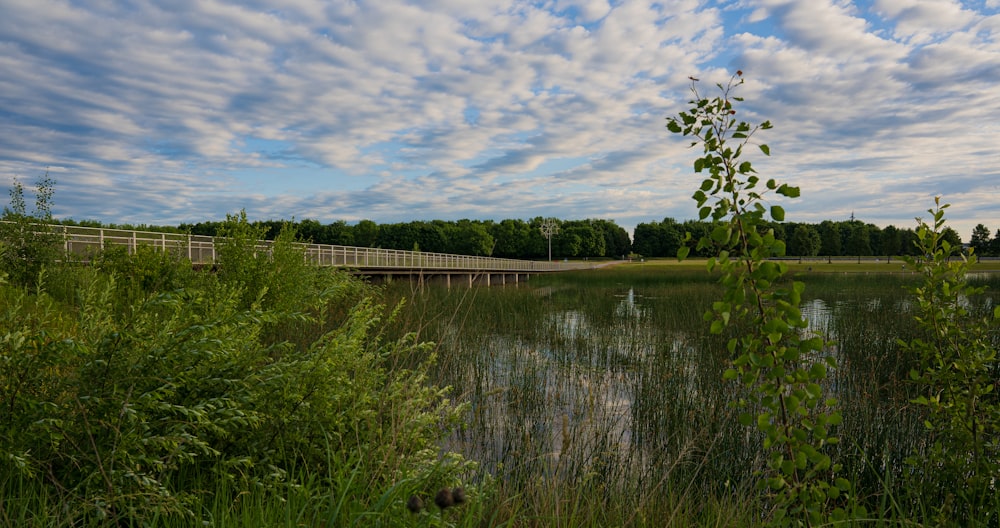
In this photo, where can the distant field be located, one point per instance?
(867, 265)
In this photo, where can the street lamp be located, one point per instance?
(549, 228)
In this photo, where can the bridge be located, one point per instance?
(377, 263)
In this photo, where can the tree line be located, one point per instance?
(590, 238)
(828, 238)
(511, 238)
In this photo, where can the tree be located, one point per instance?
(312, 231)
(908, 242)
(980, 241)
(857, 241)
(829, 232)
(340, 234)
(511, 238)
(366, 233)
(892, 241)
(804, 242)
(469, 238)
(657, 239)
(952, 237)
(592, 242)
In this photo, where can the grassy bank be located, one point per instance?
(816, 265)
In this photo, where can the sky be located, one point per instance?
(170, 111)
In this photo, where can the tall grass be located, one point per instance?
(597, 398)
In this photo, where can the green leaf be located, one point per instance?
(699, 164)
(682, 252)
(673, 126)
(721, 233)
(765, 149)
(788, 190)
(777, 213)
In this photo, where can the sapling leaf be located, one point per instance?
(777, 213)
(788, 190)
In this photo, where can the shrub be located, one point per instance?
(27, 245)
(957, 474)
(154, 394)
(781, 367)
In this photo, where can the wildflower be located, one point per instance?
(415, 504)
(444, 498)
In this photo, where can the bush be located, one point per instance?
(27, 246)
(160, 391)
(957, 473)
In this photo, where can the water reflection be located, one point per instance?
(586, 391)
(624, 383)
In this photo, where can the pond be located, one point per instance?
(614, 376)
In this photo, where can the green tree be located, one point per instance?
(908, 242)
(658, 239)
(592, 241)
(952, 237)
(804, 242)
(366, 233)
(312, 231)
(340, 233)
(829, 232)
(980, 241)
(892, 241)
(511, 237)
(616, 240)
(467, 237)
(858, 239)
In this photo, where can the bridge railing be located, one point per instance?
(83, 242)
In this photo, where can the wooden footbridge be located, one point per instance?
(375, 263)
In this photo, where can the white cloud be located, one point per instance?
(921, 21)
(167, 112)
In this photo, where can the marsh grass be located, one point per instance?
(596, 398)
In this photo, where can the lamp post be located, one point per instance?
(549, 228)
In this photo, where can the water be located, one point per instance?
(620, 381)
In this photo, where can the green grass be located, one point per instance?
(814, 264)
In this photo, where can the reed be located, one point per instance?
(596, 398)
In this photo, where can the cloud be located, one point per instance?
(168, 112)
